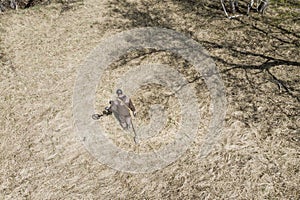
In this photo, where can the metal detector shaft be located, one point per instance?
(134, 137)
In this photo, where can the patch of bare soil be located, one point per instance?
(41, 49)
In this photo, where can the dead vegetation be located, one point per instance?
(258, 157)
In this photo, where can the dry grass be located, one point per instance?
(41, 49)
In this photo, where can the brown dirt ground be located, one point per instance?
(41, 49)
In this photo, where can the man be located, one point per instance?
(121, 109)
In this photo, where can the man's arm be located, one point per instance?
(109, 109)
(131, 106)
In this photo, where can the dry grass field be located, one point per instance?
(42, 48)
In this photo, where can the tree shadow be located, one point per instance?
(136, 17)
(265, 65)
(273, 30)
(258, 46)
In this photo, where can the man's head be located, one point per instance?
(119, 92)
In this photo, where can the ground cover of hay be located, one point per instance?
(41, 49)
